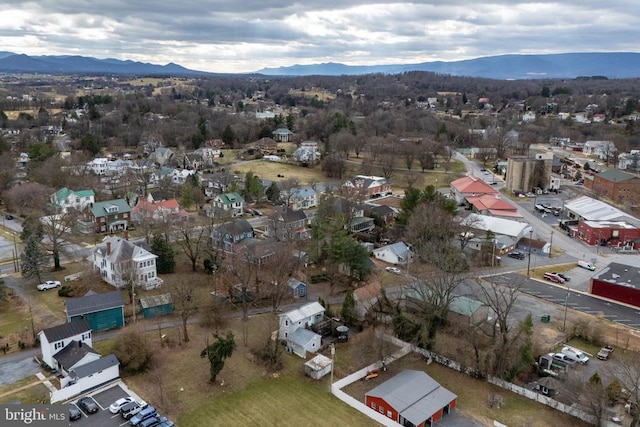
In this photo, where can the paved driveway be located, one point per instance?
(103, 417)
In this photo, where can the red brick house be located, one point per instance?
(411, 398)
(609, 233)
(618, 186)
(370, 186)
(106, 217)
(618, 282)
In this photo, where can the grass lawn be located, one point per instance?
(36, 394)
(270, 170)
(290, 400)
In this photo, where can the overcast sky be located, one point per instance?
(248, 35)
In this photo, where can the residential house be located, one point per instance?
(65, 199)
(368, 186)
(298, 288)
(106, 217)
(122, 263)
(226, 236)
(365, 298)
(98, 165)
(307, 153)
(468, 186)
(630, 161)
(101, 311)
(302, 198)
(161, 211)
(205, 156)
(361, 224)
(411, 398)
(257, 252)
(156, 305)
(601, 149)
(159, 175)
(73, 355)
(293, 329)
(282, 135)
(219, 183)
(230, 203)
(56, 338)
(288, 224)
(87, 377)
(398, 253)
(180, 176)
(162, 155)
(620, 187)
(618, 282)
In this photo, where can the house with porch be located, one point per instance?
(122, 263)
(65, 199)
(398, 253)
(289, 224)
(230, 203)
(226, 237)
(106, 217)
(302, 198)
(282, 135)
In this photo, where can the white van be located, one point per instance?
(575, 355)
(587, 265)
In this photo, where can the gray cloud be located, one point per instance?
(221, 35)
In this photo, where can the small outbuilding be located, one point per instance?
(102, 311)
(318, 367)
(298, 288)
(156, 305)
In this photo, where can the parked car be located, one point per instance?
(575, 355)
(587, 265)
(147, 412)
(516, 255)
(88, 405)
(564, 276)
(49, 284)
(118, 404)
(150, 422)
(530, 195)
(394, 270)
(553, 278)
(165, 422)
(561, 357)
(605, 352)
(131, 409)
(9, 217)
(74, 412)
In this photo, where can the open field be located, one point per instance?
(270, 170)
(321, 95)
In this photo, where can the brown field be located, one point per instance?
(321, 95)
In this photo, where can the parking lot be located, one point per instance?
(103, 417)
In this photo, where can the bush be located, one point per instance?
(133, 351)
(65, 291)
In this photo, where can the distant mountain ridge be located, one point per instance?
(68, 64)
(613, 65)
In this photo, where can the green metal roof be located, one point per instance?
(99, 209)
(465, 306)
(229, 198)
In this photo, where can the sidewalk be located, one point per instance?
(41, 380)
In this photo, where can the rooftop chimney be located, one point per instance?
(79, 343)
(108, 248)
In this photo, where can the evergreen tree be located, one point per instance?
(228, 135)
(217, 352)
(186, 196)
(34, 260)
(32, 227)
(349, 309)
(273, 193)
(166, 262)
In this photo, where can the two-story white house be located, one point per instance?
(122, 263)
(294, 329)
(65, 199)
(98, 165)
(53, 340)
(302, 198)
(232, 203)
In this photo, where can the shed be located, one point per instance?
(411, 398)
(101, 311)
(318, 367)
(303, 341)
(298, 288)
(156, 305)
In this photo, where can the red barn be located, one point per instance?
(618, 282)
(411, 398)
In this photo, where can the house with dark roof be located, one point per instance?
(56, 338)
(620, 187)
(226, 236)
(619, 282)
(106, 217)
(87, 377)
(102, 311)
(75, 354)
(411, 398)
(257, 252)
(289, 224)
(121, 263)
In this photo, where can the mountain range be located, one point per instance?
(613, 65)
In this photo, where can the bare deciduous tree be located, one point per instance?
(184, 301)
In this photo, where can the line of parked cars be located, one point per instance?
(138, 413)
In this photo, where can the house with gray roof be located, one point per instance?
(106, 217)
(289, 224)
(122, 263)
(294, 330)
(411, 398)
(302, 198)
(87, 377)
(398, 253)
(226, 236)
(75, 354)
(102, 311)
(282, 135)
(56, 338)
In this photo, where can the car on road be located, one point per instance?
(516, 255)
(564, 276)
(74, 412)
(88, 405)
(394, 270)
(553, 278)
(605, 352)
(493, 183)
(118, 404)
(49, 284)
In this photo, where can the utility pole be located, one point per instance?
(566, 303)
(529, 262)
(333, 357)
(550, 243)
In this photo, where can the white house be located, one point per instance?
(293, 329)
(398, 253)
(98, 165)
(55, 339)
(87, 377)
(302, 198)
(120, 262)
(65, 199)
(599, 149)
(229, 202)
